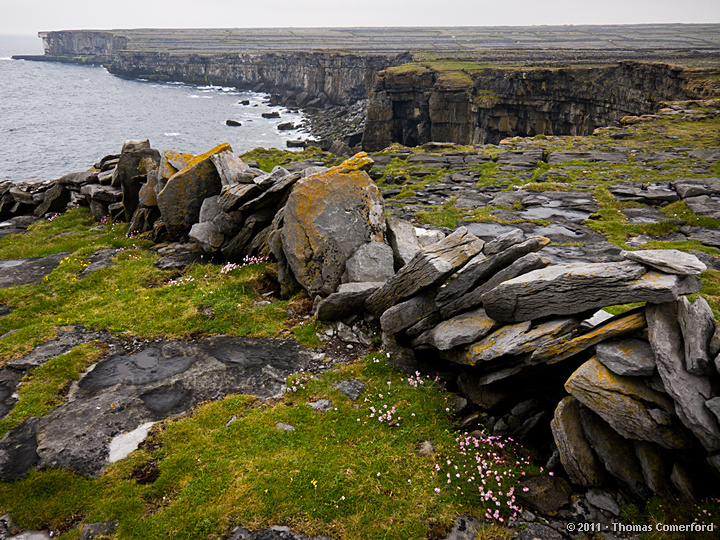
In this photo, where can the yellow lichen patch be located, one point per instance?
(564, 347)
(359, 162)
(224, 147)
(628, 404)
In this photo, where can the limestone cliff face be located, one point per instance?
(416, 104)
(342, 76)
(82, 42)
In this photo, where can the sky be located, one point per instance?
(27, 17)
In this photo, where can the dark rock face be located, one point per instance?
(485, 106)
(28, 271)
(125, 393)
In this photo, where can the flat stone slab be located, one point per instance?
(125, 392)
(28, 271)
(704, 235)
(575, 288)
(670, 261)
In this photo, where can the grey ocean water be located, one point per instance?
(60, 118)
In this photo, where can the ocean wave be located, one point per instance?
(171, 134)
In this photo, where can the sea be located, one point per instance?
(60, 118)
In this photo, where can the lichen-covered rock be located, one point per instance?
(513, 339)
(574, 288)
(576, 454)
(566, 346)
(183, 195)
(327, 217)
(628, 405)
(171, 163)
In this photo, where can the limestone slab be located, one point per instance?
(670, 261)
(697, 324)
(459, 330)
(576, 454)
(627, 357)
(627, 405)
(575, 288)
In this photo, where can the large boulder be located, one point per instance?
(327, 217)
(182, 197)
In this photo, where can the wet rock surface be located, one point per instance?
(125, 391)
(28, 271)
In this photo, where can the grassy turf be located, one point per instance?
(351, 472)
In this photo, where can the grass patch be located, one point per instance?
(445, 216)
(45, 387)
(349, 472)
(203, 300)
(268, 158)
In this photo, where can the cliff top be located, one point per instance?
(537, 41)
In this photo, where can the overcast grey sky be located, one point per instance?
(27, 17)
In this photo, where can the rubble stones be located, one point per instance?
(428, 267)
